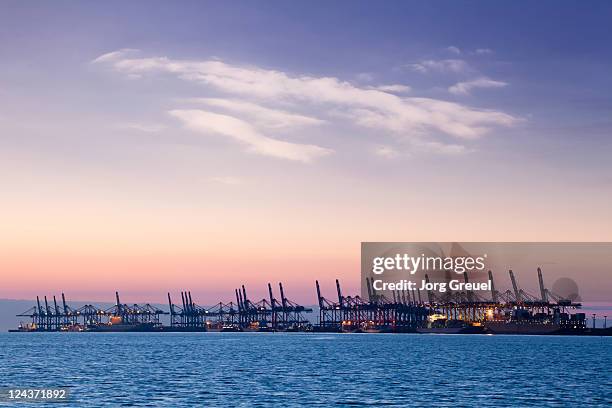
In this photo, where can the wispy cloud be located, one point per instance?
(242, 132)
(444, 65)
(464, 88)
(114, 55)
(483, 51)
(280, 100)
(142, 127)
(393, 88)
(443, 148)
(388, 152)
(454, 50)
(261, 115)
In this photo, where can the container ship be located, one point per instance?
(440, 324)
(522, 321)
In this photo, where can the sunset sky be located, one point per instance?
(148, 147)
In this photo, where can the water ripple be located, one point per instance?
(297, 370)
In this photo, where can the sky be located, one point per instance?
(157, 146)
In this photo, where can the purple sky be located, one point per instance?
(246, 140)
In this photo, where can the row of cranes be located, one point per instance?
(516, 296)
(406, 310)
(56, 318)
(244, 314)
(376, 314)
(265, 315)
(471, 306)
(398, 310)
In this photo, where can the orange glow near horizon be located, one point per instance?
(89, 230)
(149, 277)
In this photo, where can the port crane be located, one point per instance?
(395, 311)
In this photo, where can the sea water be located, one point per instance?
(309, 369)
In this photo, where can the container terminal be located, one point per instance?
(407, 311)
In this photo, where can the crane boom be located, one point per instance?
(542, 288)
(517, 294)
(493, 292)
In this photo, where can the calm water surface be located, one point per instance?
(272, 369)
